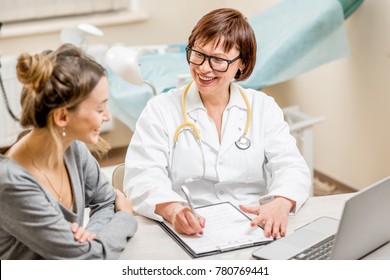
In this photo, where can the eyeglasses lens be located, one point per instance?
(198, 58)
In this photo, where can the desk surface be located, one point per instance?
(151, 242)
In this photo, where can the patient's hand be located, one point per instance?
(122, 203)
(81, 234)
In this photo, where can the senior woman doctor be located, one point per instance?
(234, 144)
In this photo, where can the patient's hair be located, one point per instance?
(54, 79)
(231, 29)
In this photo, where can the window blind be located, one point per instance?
(25, 10)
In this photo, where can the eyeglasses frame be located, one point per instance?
(208, 57)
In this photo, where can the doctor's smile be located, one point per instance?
(205, 78)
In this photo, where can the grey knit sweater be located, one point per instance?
(34, 225)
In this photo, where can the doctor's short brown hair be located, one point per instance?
(231, 29)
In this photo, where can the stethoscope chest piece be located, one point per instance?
(243, 143)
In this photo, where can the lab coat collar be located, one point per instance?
(194, 102)
(236, 98)
(198, 113)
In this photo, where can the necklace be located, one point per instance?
(59, 194)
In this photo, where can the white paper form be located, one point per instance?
(226, 228)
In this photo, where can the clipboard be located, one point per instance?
(227, 229)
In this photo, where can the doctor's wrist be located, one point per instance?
(288, 203)
(168, 210)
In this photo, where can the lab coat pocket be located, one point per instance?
(255, 165)
(187, 160)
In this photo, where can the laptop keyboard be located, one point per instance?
(319, 251)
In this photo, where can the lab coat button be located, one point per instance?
(220, 162)
(221, 192)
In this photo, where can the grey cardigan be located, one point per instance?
(34, 225)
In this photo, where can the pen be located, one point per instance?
(189, 200)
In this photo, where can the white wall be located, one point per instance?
(352, 145)
(170, 21)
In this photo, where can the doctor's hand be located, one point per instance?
(181, 218)
(272, 216)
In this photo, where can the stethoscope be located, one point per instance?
(243, 143)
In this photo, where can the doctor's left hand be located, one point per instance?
(272, 216)
(181, 218)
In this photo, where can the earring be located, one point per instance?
(63, 132)
(239, 73)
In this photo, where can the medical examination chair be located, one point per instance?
(293, 36)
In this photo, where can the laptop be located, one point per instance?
(364, 227)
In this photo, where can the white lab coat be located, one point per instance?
(271, 166)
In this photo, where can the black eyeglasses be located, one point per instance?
(216, 63)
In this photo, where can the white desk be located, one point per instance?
(151, 242)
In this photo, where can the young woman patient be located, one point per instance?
(49, 175)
